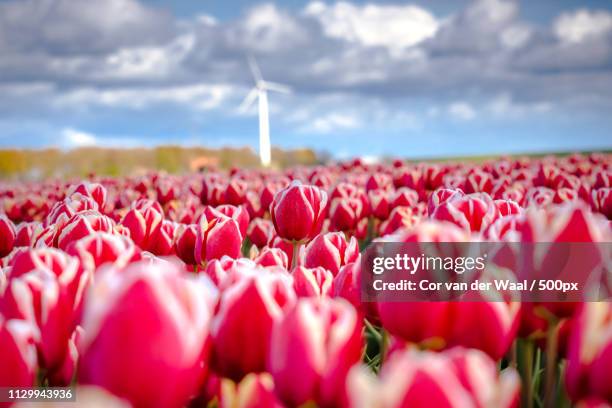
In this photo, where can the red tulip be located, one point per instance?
(379, 203)
(507, 207)
(7, 236)
(217, 238)
(95, 191)
(272, 257)
(590, 353)
(298, 211)
(260, 231)
(331, 251)
(185, 243)
(49, 295)
(400, 217)
(82, 225)
(345, 214)
(101, 248)
(405, 197)
(455, 378)
(312, 282)
(440, 196)
(473, 212)
(237, 213)
(247, 310)
(162, 362)
(25, 233)
(17, 353)
(601, 201)
(144, 221)
(312, 349)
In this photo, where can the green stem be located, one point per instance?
(294, 257)
(384, 343)
(551, 363)
(526, 368)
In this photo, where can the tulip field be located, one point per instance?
(242, 288)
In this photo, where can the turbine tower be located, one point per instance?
(260, 91)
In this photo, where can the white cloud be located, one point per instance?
(266, 28)
(462, 111)
(331, 122)
(394, 27)
(583, 24)
(139, 62)
(76, 138)
(196, 96)
(503, 106)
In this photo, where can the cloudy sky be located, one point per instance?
(427, 78)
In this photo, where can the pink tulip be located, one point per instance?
(247, 310)
(312, 282)
(312, 349)
(17, 353)
(162, 360)
(331, 251)
(298, 211)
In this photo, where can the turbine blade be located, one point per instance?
(255, 69)
(275, 86)
(248, 100)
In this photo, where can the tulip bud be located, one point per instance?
(317, 341)
(298, 211)
(162, 363)
(312, 282)
(248, 309)
(331, 251)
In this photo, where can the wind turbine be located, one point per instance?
(260, 91)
